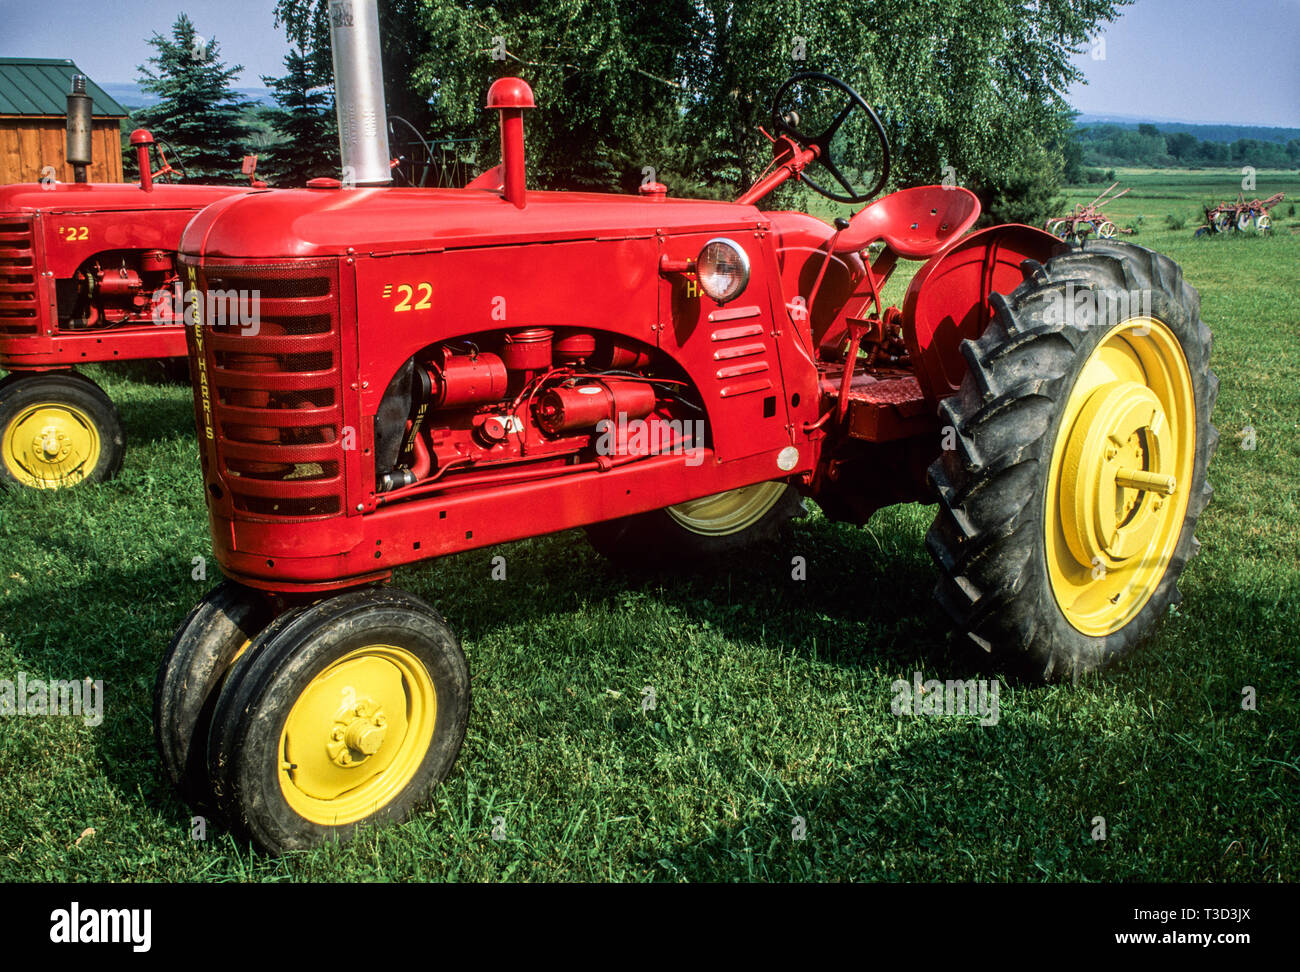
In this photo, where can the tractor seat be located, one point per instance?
(915, 223)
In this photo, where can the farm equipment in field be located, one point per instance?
(1240, 216)
(87, 274)
(439, 370)
(1088, 219)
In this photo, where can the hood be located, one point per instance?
(322, 222)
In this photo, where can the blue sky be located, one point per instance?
(1191, 60)
(1199, 60)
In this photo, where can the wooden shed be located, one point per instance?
(33, 105)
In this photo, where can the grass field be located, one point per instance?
(772, 695)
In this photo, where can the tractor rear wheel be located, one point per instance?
(1067, 509)
(342, 713)
(209, 641)
(701, 529)
(57, 430)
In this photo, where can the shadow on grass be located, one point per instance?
(160, 419)
(866, 604)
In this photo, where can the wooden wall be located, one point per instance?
(29, 143)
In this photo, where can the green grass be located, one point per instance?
(773, 696)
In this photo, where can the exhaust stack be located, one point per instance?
(512, 97)
(79, 126)
(359, 92)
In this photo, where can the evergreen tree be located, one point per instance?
(308, 143)
(199, 113)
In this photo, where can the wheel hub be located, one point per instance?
(53, 443)
(1116, 474)
(358, 734)
(1121, 472)
(50, 445)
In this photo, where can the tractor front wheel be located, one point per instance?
(342, 713)
(214, 635)
(57, 430)
(701, 529)
(1067, 509)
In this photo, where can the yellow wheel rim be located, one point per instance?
(730, 512)
(356, 736)
(50, 445)
(1120, 477)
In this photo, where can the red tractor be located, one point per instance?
(445, 369)
(87, 275)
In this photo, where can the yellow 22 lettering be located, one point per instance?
(407, 292)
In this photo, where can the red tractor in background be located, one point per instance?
(439, 370)
(87, 274)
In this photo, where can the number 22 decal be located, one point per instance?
(74, 233)
(407, 292)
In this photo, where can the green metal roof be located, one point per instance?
(39, 86)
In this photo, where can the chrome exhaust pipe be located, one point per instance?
(359, 92)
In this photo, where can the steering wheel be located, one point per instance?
(787, 124)
(173, 161)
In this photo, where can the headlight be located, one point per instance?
(723, 270)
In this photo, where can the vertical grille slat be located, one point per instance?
(18, 307)
(275, 388)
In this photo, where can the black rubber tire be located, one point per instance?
(20, 391)
(988, 538)
(189, 680)
(655, 539)
(243, 743)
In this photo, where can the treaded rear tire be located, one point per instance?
(988, 537)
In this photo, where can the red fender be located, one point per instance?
(947, 300)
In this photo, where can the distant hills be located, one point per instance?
(1205, 131)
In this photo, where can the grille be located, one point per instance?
(17, 278)
(275, 386)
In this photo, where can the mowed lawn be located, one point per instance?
(772, 695)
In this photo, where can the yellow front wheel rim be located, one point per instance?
(357, 735)
(731, 512)
(1121, 474)
(50, 445)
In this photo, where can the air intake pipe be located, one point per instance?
(79, 128)
(359, 92)
(512, 97)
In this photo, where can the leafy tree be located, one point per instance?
(1181, 145)
(199, 113)
(308, 140)
(1073, 162)
(682, 86)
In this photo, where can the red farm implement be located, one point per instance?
(1240, 216)
(87, 274)
(437, 370)
(1088, 219)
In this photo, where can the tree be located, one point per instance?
(1073, 162)
(198, 113)
(680, 87)
(1182, 145)
(308, 140)
(405, 41)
